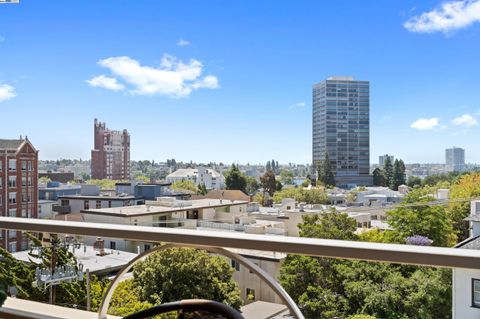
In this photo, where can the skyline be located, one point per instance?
(195, 90)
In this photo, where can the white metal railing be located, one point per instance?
(417, 255)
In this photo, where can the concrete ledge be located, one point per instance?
(15, 308)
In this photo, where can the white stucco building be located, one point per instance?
(466, 282)
(200, 175)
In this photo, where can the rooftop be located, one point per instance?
(158, 207)
(10, 144)
(114, 260)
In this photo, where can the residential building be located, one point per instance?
(52, 190)
(90, 197)
(45, 209)
(200, 175)
(166, 212)
(252, 289)
(466, 282)
(111, 153)
(455, 159)
(18, 188)
(382, 158)
(341, 128)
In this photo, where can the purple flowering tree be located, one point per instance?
(418, 240)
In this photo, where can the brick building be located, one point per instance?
(111, 153)
(18, 188)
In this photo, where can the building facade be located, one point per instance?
(341, 128)
(455, 159)
(111, 153)
(383, 158)
(18, 188)
(200, 175)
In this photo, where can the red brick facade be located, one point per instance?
(111, 153)
(18, 188)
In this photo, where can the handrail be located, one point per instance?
(407, 254)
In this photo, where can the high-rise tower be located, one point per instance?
(111, 153)
(341, 127)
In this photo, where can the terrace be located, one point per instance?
(216, 242)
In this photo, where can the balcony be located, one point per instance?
(62, 209)
(220, 242)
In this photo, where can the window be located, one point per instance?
(12, 181)
(1, 166)
(12, 165)
(109, 204)
(12, 212)
(30, 166)
(476, 293)
(65, 202)
(113, 245)
(12, 233)
(12, 198)
(98, 204)
(24, 165)
(86, 204)
(236, 265)
(250, 294)
(24, 181)
(30, 181)
(146, 247)
(12, 246)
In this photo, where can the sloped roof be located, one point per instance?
(470, 243)
(230, 194)
(10, 144)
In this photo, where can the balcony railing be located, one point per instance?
(406, 254)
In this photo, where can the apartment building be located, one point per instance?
(18, 187)
(111, 153)
(341, 128)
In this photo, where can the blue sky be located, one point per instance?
(231, 81)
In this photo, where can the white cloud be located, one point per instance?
(173, 77)
(7, 92)
(466, 120)
(424, 124)
(451, 15)
(299, 105)
(105, 82)
(183, 43)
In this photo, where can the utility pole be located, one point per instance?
(88, 289)
(53, 263)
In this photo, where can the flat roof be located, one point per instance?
(155, 207)
(114, 260)
(100, 197)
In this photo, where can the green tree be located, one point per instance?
(202, 189)
(414, 181)
(466, 187)
(309, 196)
(398, 175)
(268, 182)
(234, 179)
(252, 185)
(335, 288)
(330, 225)
(388, 170)
(286, 177)
(185, 185)
(378, 177)
(325, 172)
(186, 273)
(414, 218)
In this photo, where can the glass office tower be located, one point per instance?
(341, 127)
